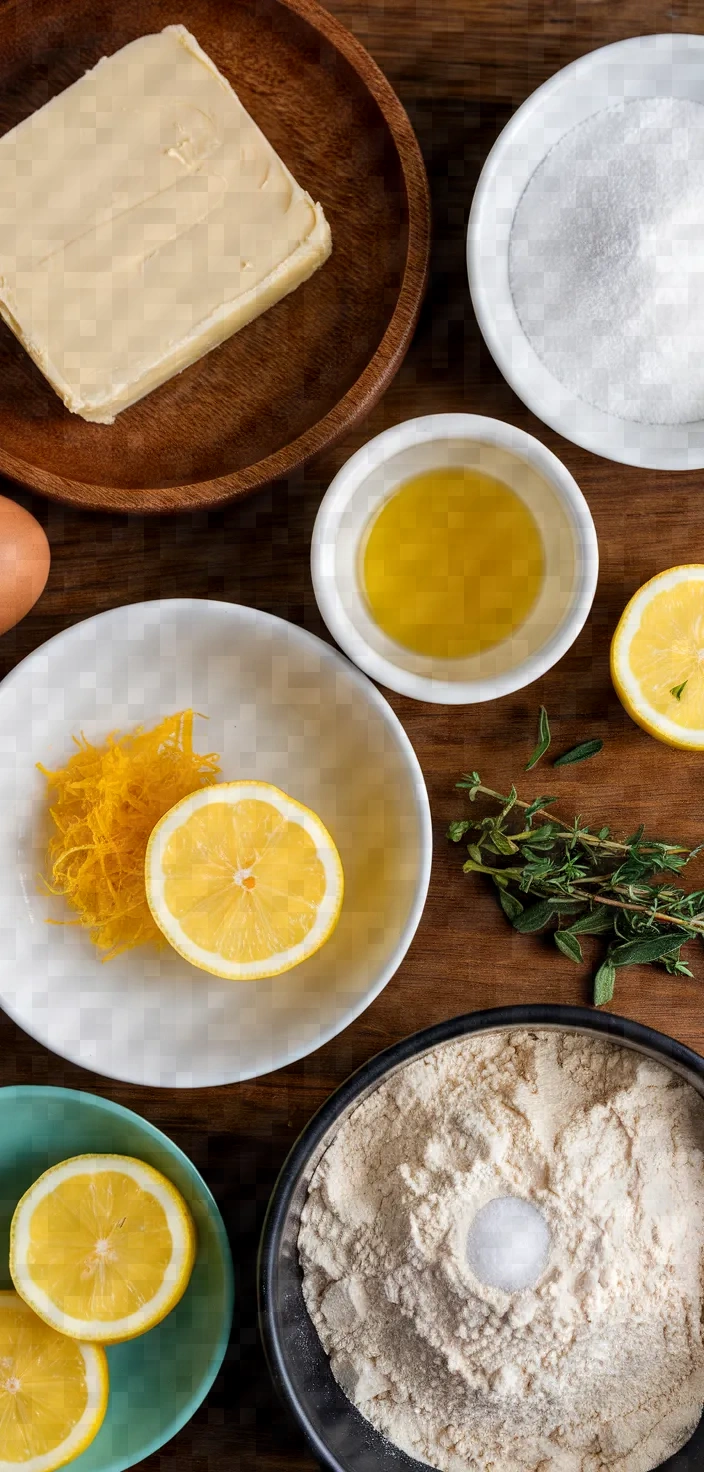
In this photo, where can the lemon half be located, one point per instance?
(657, 657)
(102, 1247)
(53, 1391)
(243, 880)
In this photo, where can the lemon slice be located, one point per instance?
(53, 1391)
(244, 881)
(657, 657)
(102, 1247)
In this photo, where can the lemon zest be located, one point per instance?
(105, 802)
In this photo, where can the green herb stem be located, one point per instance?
(661, 915)
(586, 837)
(548, 870)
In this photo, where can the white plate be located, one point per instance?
(644, 66)
(283, 707)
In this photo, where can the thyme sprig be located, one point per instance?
(585, 882)
(544, 739)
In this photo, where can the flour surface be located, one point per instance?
(601, 1364)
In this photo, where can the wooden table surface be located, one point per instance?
(461, 67)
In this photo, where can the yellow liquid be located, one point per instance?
(453, 563)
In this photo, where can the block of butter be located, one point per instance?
(144, 218)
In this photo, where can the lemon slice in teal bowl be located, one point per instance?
(157, 1381)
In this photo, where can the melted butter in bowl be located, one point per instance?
(453, 563)
(454, 559)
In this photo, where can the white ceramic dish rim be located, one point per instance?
(375, 697)
(655, 447)
(368, 459)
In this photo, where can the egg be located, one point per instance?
(24, 562)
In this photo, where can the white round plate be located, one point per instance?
(282, 707)
(644, 66)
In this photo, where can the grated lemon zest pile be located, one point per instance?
(106, 801)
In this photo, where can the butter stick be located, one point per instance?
(144, 218)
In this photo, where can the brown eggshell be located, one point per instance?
(24, 562)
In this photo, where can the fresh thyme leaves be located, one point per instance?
(543, 739)
(593, 922)
(677, 690)
(568, 943)
(578, 753)
(583, 882)
(604, 983)
(647, 949)
(511, 906)
(540, 915)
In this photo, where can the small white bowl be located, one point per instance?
(643, 66)
(374, 473)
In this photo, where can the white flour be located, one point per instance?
(606, 260)
(601, 1364)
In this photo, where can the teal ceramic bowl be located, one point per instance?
(157, 1381)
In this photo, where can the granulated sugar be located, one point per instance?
(606, 260)
(598, 1363)
(508, 1244)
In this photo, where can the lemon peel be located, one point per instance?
(106, 801)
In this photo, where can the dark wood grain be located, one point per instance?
(256, 552)
(262, 403)
(499, 50)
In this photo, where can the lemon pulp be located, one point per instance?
(244, 881)
(102, 1247)
(274, 858)
(667, 653)
(53, 1390)
(453, 563)
(99, 1242)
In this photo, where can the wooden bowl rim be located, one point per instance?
(364, 392)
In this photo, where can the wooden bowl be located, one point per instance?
(296, 379)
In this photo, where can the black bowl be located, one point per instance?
(340, 1438)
